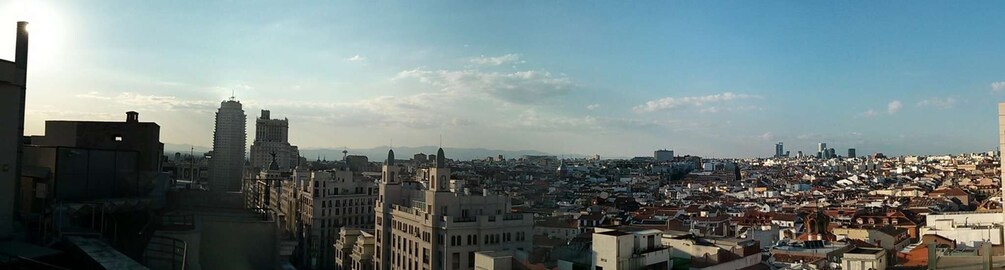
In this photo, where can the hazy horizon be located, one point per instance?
(622, 80)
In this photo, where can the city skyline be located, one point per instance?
(699, 78)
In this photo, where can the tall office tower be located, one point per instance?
(13, 76)
(779, 149)
(831, 153)
(226, 167)
(821, 147)
(437, 223)
(851, 152)
(272, 137)
(663, 155)
(1001, 140)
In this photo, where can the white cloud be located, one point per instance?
(998, 86)
(894, 106)
(868, 113)
(498, 60)
(705, 103)
(940, 103)
(767, 136)
(592, 106)
(521, 87)
(356, 58)
(151, 102)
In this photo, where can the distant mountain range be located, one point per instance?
(380, 152)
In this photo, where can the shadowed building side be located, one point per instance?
(13, 77)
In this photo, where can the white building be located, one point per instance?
(629, 248)
(272, 137)
(436, 223)
(226, 168)
(864, 259)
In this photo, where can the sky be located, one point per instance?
(710, 78)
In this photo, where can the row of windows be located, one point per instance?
(490, 239)
(347, 211)
(347, 202)
(355, 221)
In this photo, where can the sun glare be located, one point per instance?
(45, 29)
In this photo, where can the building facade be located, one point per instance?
(13, 76)
(434, 222)
(615, 249)
(272, 137)
(226, 168)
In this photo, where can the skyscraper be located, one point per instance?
(851, 152)
(779, 149)
(272, 137)
(821, 147)
(229, 138)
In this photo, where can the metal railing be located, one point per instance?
(8, 260)
(166, 251)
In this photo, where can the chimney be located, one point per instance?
(132, 117)
(21, 45)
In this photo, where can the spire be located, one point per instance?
(273, 166)
(441, 162)
(390, 157)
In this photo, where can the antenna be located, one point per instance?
(232, 94)
(441, 140)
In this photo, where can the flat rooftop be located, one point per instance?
(859, 250)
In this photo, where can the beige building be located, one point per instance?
(313, 206)
(272, 138)
(629, 248)
(433, 222)
(864, 259)
(1001, 142)
(337, 199)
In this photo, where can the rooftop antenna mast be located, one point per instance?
(441, 140)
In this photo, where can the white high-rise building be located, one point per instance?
(437, 223)
(272, 137)
(226, 168)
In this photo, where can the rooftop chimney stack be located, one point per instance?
(21, 46)
(132, 117)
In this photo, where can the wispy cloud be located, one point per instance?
(894, 106)
(592, 106)
(939, 103)
(356, 58)
(151, 102)
(868, 113)
(704, 103)
(998, 86)
(521, 87)
(498, 60)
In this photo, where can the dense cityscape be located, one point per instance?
(109, 194)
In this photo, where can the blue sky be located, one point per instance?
(724, 78)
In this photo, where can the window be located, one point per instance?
(118, 138)
(455, 261)
(471, 259)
